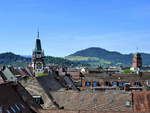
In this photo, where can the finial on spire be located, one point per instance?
(137, 49)
(38, 34)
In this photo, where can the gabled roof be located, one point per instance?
(10, 100)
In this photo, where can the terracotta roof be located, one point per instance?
(71, 111)
(42, 86)
(141, 100)
(89, 100)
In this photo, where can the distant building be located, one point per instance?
(38, 57)
(136, 62)
(113, 69)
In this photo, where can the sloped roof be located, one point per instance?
(38, 45)
(10, 100)
(141, 101)
(1, 79)
(42, 86)
(9, 75)
(81, 111)
(99, 101)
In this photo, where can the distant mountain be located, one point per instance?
(92, 56)
(13, 59)
(93, 61)
(18, 60)
(27, 56)
(111, 56)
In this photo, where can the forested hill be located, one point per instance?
(17, 60)
(112, 56)
(92, 56)
(13, 59)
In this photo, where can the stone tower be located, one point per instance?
(137, 61)
(38, 57)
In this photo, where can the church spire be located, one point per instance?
(38, 34)
(38, 42)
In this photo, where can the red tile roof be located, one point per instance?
(71, 111)
(141, 100)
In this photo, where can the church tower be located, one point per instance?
(38, 57)
(137, 61)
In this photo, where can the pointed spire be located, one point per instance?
(137, 49)
(38, 34)
(38, 42)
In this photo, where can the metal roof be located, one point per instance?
(38, 45)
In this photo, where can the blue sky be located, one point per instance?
(70, 25)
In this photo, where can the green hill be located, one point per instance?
(61, 61)
(115, 58)
(94, 61)
(17, 60)
(13, 59)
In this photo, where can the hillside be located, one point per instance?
(13, 59)
(61, 61)
(111, 56)
(17, 60)
(93, 61)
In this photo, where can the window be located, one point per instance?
(128, 103)
(88, 83)
(18, 108)
(22, 106)
(13, 109)
(141, 102)
(94, 100)
(38, 99)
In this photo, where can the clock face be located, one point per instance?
(39, 65)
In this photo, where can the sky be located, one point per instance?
(67, 26)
